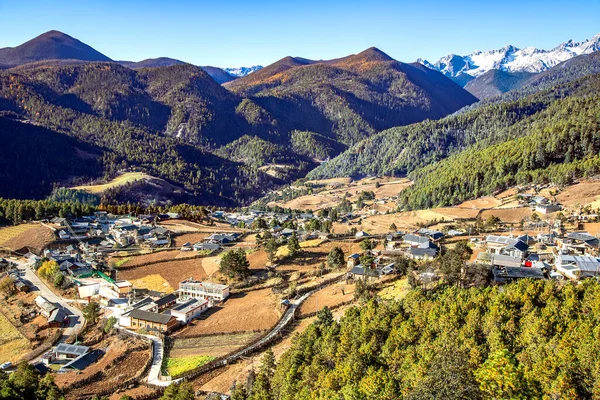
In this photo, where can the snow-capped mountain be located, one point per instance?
(510, 59)
(242, 71)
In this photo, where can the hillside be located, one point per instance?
(272, 129)
(351, 98)
(217, 74)
(450, 343)
(474, 139)
(151, 63)
(495, 82)
(52, 45)
(112, 109)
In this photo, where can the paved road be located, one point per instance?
(76, 318)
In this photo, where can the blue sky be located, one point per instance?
(242, 33)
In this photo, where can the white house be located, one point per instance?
(185, 312)
(192, 289)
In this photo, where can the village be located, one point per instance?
(201, 301)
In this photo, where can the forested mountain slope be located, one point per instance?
(558, 124)
(351, 98)
(108, 107)
(526, 340)
(177, 123)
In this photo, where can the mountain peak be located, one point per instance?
(51, 45)
(374, 54)
(511, 59)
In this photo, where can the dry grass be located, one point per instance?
(255, 310)
(26, 235)
(168, 255)
(189, 237)
(152, 282)
(583, 193)
(13, 345)
(118, 181)
(311, 243)
(482, 202)
(214, 346)
(173, 271)
(396, 290)
(330, 296)
(336, 189)
(508, 215)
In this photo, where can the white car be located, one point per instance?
(5, 366)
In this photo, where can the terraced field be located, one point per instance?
(25, 235)
(13, 345)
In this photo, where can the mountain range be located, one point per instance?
(55, 45)
(497, 71)
(219, 144)
(227, 142)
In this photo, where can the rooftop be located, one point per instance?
(150, 316)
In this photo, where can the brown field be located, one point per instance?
(581, 194)
(114, 375)
(482, 202)
(211, 265)
(335, 193)
(255, 310)
(189, 237)
(26, 235)
(173, 271)
(214, 346)
(258, 259)
(167, 255)
(593, 228)
(183, 226)
(508, 215)
(13, 345)
(330, 296)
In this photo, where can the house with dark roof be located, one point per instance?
(507, 246)
(57, 318)
(82, 362)
(64, 352)
(577, 267)
(499, 260)
(152, 321)
(166, 301)
(581, 242)
(421, 253)
(510, 274)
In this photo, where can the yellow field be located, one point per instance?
(10, 232)
(26, 235)
(118, 181)
(396, 291)
(311, 243)
(152, 282)
(179, 365)
(13, 344)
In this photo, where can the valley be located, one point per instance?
(348, 226)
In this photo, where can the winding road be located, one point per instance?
(76, 318)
